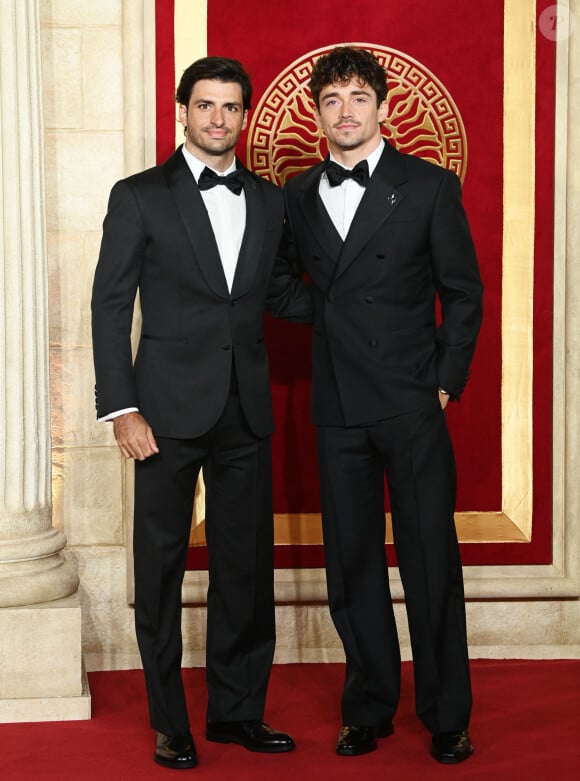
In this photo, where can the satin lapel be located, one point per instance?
(378, 203)
(316, 215)
(196, 222)
(253, 240)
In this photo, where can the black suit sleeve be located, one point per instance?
(458, 284)
(289, 296)
(114, 289)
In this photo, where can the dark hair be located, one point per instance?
(218, 69)
(344, 63)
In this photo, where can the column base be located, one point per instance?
(31, 709)
(42, 677)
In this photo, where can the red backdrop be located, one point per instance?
(464, 49)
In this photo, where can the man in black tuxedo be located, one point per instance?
(382, 235)
(197, 237)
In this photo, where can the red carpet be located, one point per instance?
(525, 726)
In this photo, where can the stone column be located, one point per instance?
(40, 652)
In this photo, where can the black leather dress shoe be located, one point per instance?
(253, 735)
(355, 739)
(451, 747)
(175, 751)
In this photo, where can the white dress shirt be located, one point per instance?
(227, 214)
(342, 201)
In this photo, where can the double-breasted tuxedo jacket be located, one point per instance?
(379, 356)
(377, 348)
(157, 238)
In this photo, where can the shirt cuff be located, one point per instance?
(117, 414)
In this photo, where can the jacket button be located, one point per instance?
(380, 256)
(330, 297)
(227, 347)
(373, 342)
(316, 258)
(370, 299)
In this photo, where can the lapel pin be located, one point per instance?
(393, 199)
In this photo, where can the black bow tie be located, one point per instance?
(337, 174)
(233, 181)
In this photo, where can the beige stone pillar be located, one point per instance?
(40, 649)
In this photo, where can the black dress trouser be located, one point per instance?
(240, 605)
(415, 452)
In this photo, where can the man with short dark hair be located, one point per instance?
(382, 236)
(197, 236)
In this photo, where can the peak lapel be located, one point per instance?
(253, 240)
(316, 216)
(378, 203)
(196, 222)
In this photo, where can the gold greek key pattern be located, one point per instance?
(423, 119)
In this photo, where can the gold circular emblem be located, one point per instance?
(423, 119)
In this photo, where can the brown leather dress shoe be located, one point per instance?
(175, 751)
(252, 734)
(451, 747)
(354, 740)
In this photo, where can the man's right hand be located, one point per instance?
(134, 436)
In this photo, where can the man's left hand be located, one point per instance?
(443, 398)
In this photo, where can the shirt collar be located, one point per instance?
(196, 166)
(372, 159)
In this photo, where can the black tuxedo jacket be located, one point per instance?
(378, 350)
(158, 239)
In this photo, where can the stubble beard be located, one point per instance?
(345, 142)
(215, 147)
(348, 139)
